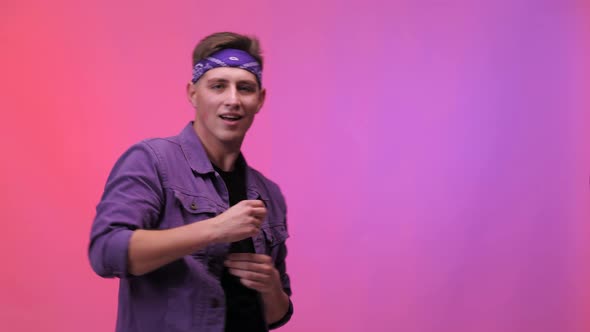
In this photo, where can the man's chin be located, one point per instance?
(231, 139)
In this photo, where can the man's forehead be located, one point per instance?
(229, 74)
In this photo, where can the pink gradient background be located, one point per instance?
(435, 154)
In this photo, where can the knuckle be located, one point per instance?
(267, 269)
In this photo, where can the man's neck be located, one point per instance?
(225, 161)
(222, 155)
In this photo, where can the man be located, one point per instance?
(196, 236)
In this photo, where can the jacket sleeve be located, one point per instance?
(132, 199)
(281, 266)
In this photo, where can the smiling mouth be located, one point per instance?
(232, 118)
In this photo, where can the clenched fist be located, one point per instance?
(240, 221)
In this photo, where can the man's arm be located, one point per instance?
(151, 249)
(276, 306)
(285, 281)
(122, 243)
(133, 199)
(271, 280)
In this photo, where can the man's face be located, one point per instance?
(226, 101)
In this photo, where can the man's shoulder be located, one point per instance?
(161, 146)
(162, 142)
(154, 150)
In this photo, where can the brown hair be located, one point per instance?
(222, 40)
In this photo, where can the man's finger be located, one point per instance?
(259, 212)
(265, 269)
(250, 275)
(255, 203)
(250, 257)
(255, 285)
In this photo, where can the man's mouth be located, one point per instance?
(231, 117)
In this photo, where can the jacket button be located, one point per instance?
(193, 206)
(214, 303)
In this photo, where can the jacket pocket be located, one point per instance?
(275, 234)
(196, 208)
(193, 209)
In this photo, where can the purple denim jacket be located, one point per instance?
(164, 183)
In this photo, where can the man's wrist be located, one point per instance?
(277, 304)
(276, 295)
(212, 230)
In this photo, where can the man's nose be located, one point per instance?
(232, 97)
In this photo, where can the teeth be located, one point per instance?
(229, 117)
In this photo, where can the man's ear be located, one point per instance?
(261, 99)
(191, 93)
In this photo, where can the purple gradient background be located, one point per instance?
(435, 154)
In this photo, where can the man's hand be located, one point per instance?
(255, 271)
(241, 221)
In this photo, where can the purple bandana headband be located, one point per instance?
(228, 57)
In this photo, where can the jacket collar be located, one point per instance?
(195, 154)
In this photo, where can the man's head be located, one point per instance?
(226, 88)
(222, 40)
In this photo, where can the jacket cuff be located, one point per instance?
(285, 318)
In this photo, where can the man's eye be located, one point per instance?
(246, 88)
(217, 86)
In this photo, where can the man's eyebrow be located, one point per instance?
(247, 82)
(225, 80)
(217, 79)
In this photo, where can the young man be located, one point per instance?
(196, 236)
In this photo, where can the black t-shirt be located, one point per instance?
(243, 309)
